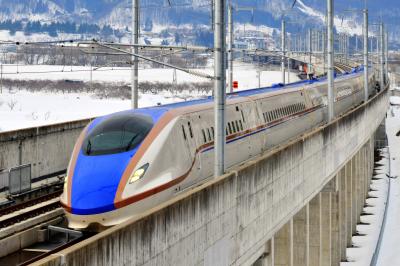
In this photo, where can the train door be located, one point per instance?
(191, 145)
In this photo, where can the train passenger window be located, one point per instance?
(241, 125)
(234, 127)
(209, 134)
(229, 128)
(183, 131)
(212, 131)
(204, 135)
(190, 130)
(237, 125)
(226, 131)
(264, 117)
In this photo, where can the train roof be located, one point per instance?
(157, 111)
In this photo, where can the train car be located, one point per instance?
(128, 162)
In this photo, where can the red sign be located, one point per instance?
(235, 84)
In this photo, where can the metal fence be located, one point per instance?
(20, 179)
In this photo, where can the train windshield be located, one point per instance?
(117, 133)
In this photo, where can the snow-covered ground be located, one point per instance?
(365, 241)
(21, 109)
(389, 251)
(25, 109)
(245, 74)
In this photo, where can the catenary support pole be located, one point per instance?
(219, 86)
(366, 63)
(382, 55)
(310, 46)
(386, 56)
(288, 53)
(324, 49)
(230, 48)
(135, 60)
(283, 50)
(347, 47)
(330, 60)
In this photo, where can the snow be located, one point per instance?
(22, 109)
(364, 243)
(343, 25)
(389, 252)
(245, 74)
(395, 100)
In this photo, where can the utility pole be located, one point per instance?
(382, 55)
(135, 50)
(330, 61)
(230, 48)
(91, 75)
(366, 63)
(219, 86)
(283, 50)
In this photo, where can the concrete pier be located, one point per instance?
(295, 205)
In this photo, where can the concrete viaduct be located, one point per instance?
(298, 204)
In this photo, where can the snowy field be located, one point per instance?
(25, 109)
(245, 74)
(22, 109)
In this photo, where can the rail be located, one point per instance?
(30, 212)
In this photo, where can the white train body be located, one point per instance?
(179, 149)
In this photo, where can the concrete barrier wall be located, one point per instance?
(230, 219)
(47, 148)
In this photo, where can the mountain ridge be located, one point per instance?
(198, 12)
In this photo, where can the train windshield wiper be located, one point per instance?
(130, 142)
(88, 147)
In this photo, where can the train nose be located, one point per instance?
(95, 182)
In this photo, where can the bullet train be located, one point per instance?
(128, 162)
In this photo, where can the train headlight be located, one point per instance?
(65, 182)
(139, 173)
